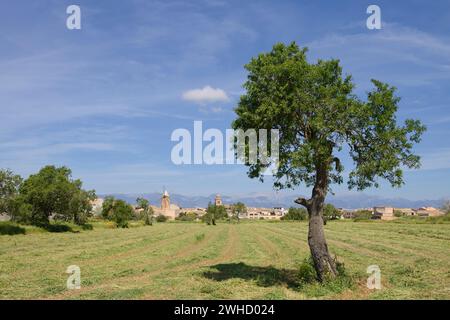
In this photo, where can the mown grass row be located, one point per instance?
(250, 260)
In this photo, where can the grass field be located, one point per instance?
(250, 260)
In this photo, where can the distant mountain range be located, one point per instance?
(351, 201)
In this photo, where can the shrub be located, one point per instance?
(187, 216)
(118, 211)
(161, 218)
(296, 214)
(398, 213)
(330, 212)
(307, 273)
(362, 215)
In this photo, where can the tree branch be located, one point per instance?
(304, 202)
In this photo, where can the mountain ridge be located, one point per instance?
(351, 201)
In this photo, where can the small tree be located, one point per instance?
(9, 190)
(147, 211)
(316, 112)
(118, 211)
(237, 209)
(161, 218)
(214, 213)
(330, 212)
(52, 191)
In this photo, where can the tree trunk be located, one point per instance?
(323, 262)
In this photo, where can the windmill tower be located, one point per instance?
(165, 200)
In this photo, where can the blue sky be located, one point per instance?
(105, 99)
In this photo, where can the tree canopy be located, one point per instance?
(317, 113)
(147, 211)
(117, 210)
(52, 191)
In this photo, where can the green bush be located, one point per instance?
(306, 271)
(161, 218)
(362, 215)
(118, 211)
(187, 216)
(296, 214)
(214, 213)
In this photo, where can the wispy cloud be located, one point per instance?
(384, 53)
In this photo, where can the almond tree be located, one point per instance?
(319, 118)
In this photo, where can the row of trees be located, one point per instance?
(52, 192)
(215, 212)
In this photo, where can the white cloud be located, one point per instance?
(205, 95)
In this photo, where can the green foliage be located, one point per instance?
(306, 272)
(309, 280)
(214, 213)
(296, 214)
(398, 213)
(9, 190)
(147, 211)
(161, 218)
(199, 237)
(187, 216)
(330, 212)
(118, 211)
(362, 215)
(314, 107)
(237, 209)
(52, 191)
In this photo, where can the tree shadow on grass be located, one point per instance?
(57, 228)
(11, 229)
(264, 276)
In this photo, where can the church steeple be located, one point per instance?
(165, 200)
(218, 200)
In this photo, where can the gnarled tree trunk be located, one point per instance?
(323, 262)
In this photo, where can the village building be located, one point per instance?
(167, 209)
(264, 213)
(383, 213)
(406, 211)
(429, 212)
